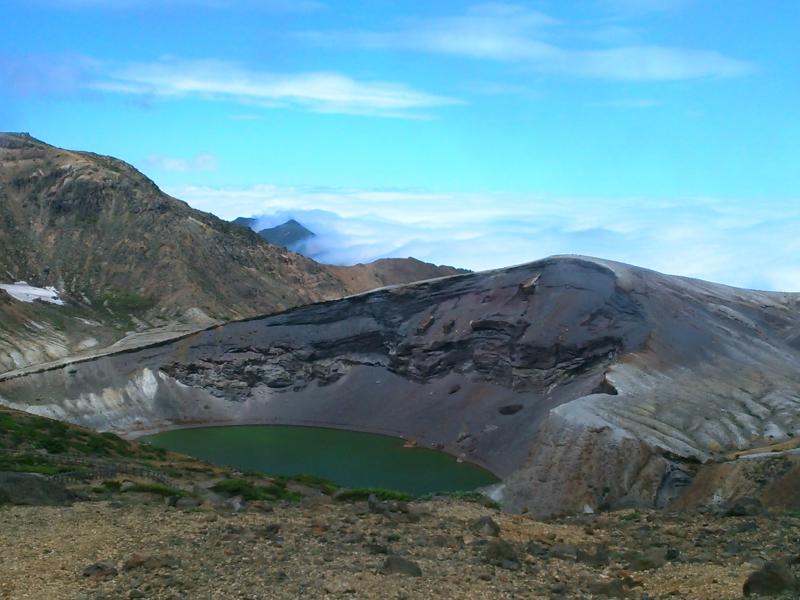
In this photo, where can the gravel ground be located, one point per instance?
(321, 549)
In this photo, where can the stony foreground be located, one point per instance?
(138, 547)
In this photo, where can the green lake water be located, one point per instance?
(348, 458)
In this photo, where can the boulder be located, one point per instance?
(402, 566)
(104, 568)
(32, 490)
(773, 579)
(501, 553)
(485, 526)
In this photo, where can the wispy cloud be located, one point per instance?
(325, 92)
(514, 33)
(738, 243)
(172, 78)
(200, 162)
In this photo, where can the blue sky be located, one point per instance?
(659, 132)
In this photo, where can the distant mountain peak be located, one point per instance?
(288, 234)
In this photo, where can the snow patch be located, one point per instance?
(23, 292)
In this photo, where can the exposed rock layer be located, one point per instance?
(582, 383)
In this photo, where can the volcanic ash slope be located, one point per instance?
(582, 383)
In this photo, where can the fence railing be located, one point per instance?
(98, 468)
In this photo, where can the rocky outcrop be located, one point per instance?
(584, 384)
(32, 490)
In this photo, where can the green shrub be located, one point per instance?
(53, 445)
(250, 492)
(6, 422)
(29, 464)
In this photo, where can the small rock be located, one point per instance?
(745, 507)
(236, 504)
(137, 594)
(355, 537)
(564, 551)
(377, 549)
(262, 506)
(485, 526)
(269, 531)
(339, 586)
(772, 579)
(162, 561)
(536, 549)
(400, 565)
(597, 559)
(187, 502)
(498, 550)
(104, 568)
(653, 558)
(377, 506)
(611, 589)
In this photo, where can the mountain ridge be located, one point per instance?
(127, 257)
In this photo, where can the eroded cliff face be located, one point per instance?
(582, 383)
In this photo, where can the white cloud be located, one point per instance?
(326, 92)
(201, 162)
(514, 33)
(744, 244)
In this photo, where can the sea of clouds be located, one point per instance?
(739, 243)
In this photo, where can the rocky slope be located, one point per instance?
(128, 258)
(584, 384)
(390, 271)
(132, 546)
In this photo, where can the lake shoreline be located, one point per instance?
(351, 458)
(137, 434)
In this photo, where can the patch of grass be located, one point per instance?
(250, 491)
(324, 485)
(631, 516)
(30, 464)
(112, 485)
(21, 431)
(127, 302)
(154, 451)
(156, 488)
(356, 494)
